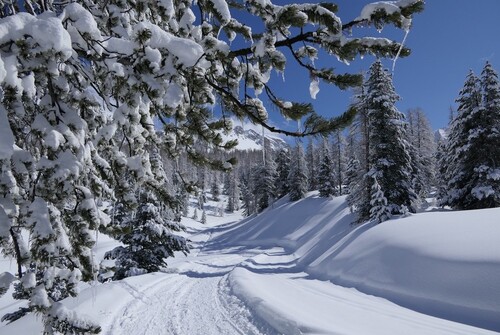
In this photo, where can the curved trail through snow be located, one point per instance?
(197, 300)
(184, 305)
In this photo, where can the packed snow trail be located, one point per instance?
(195, 299)
(184, 305)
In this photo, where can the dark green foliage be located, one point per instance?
(470, 166)
(379, 210)
(297, 177)
(326, 175)
(389, 157)
(148, 240)
(282, 171)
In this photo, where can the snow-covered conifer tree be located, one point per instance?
(453, 162)
(148, 240)
(379, 210)
(297, 177)
(389, 156)
(264, 177)
(234, 193)
(470, 164)
(423, 152)
(339, 160)
(282, 171)
(313, 164)
(326, 176)
(215, 188)
(203, 217)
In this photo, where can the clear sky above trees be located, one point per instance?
(447, 39)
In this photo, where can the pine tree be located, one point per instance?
(453, 163)
(353, 181)
(358, 148)
(234, 193)
(339, 161)
(203, 217)
(215, 190)
(282, 171)
(470, 166)
(312, 165)
(487, 141)
(248, 195)
(264, 177)
(297, 177)
(422, 152)
(326, 176)
(379, 210)
(148, 240)
(389, 156)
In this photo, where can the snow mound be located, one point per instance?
(444, 264)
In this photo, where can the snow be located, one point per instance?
(39, 219)
(47, 32)
(302, 268)
(390, 7)
(82, 20)
(369, 9)
(314, 88)
(187, 51)
(249, 137)
(174, 95)
(222, 9)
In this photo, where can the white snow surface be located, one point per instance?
(302, 268)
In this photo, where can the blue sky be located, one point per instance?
(447, 39)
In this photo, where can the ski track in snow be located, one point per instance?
(191, 302)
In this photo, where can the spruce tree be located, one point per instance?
(147, 239)
(312, 164)
(358, 148)
(389, 156)
(203, 217)
(215, 188)
(249, 202)
(470, 164)
(282, 171)
(422, 152)
(234, 193)
(379, 210)
(339, 161)
(297, 177)
(454, 166)
(326, 176)
(264, 177)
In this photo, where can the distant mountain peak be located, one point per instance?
(250, 139)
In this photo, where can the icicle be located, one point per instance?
(399, 51)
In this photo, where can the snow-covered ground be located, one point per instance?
(302, 268)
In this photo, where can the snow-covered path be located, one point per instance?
(183, 305)
(193, 299)
(252, 292)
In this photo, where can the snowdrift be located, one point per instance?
(445, 264)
